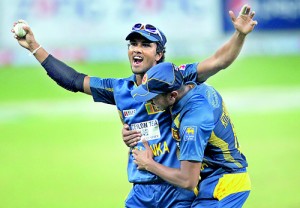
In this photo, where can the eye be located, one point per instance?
(133, 44)
(146, 45)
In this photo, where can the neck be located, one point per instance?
(183, 91)
(139, 78)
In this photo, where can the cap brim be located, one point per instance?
(142, 33)
(142, 95)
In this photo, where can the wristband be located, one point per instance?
(35, 50)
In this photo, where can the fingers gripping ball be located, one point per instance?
(18, 28)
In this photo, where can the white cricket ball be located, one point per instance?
(18, 28)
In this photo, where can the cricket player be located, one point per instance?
(207, 142)
(146, 48)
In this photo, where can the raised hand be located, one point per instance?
(28, 41)
(244, 23)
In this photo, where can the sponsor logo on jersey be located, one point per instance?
(149, 129)
(129, 113)
(190, 133)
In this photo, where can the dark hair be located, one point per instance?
(161, 49)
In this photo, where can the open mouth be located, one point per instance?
(137, 60)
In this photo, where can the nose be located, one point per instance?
(137, 49)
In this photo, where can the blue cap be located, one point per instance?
(161, 78)
(153, 36)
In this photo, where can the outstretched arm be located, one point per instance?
(64, 75)
(187, 176)
(225, 55)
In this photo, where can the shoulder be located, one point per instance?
(212, 96)
(187, 68)
(198, 111)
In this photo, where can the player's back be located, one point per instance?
(222, 150)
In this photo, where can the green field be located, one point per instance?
(54, 157)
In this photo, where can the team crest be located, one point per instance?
(175, 134)
(145, 79)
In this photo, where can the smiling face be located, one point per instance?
(142, 56)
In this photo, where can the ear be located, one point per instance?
(158, 56)
(173, 95)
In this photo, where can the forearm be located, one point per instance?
(187, 176)
(229, 51)
(174, 176)
(62, 74)
(222, 58)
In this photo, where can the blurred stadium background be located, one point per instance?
(59, 149)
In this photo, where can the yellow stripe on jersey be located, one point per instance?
(196, 191)
(109, 89)
(225, 119)
(218, 142)
(121, 116)
(232, 183)
(176, 121)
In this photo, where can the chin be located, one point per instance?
(135, 71)
(138, 70)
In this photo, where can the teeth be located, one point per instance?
(138, 57)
